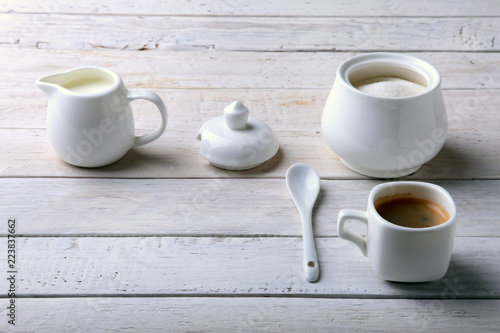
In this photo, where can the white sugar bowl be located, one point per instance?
(385, 137)
(236, 140)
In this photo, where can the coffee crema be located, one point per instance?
(412, 212)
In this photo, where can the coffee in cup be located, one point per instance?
(412, 212)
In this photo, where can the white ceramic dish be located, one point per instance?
(385, 137)
(237, 140)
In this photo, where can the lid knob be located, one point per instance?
(236, 116)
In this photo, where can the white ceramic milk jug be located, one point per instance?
(90, 122)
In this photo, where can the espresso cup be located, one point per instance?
(402, 253)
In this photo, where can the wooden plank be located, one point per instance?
(174, 314)
(199, 266)
(194, 207)
(55, 31)
(259, 8)
(27, 153)
(282, 109)
(233, 70)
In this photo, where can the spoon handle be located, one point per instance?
(310, 264)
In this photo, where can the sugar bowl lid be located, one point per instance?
(237, 140)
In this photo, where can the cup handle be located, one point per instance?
(154, 98)
(349, 214)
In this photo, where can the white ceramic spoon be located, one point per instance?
(303, 183)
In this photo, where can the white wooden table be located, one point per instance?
(163, 242)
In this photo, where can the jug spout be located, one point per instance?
(48, 84)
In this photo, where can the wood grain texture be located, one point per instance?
(207, 207)
(227, 266)
(232, 70)
(55, 31)
(465, 155)
(281, 109)
(260, 314)
(259, 8)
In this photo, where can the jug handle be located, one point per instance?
(133, 94)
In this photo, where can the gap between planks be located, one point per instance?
(263, 295)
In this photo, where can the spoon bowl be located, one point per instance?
(303, 183)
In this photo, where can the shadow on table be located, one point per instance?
(464, 279)
(268, 166)
(457, 160)
(137, 159)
